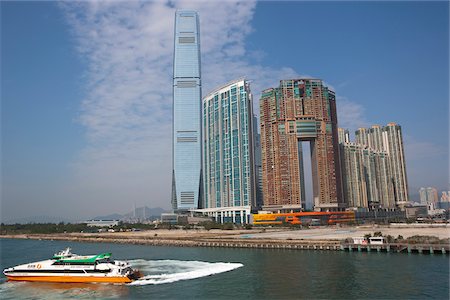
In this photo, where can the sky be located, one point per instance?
(86, 94)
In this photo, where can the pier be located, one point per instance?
(333, 246)
(399, 248)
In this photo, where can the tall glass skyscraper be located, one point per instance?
(187, 135)
(228, 164)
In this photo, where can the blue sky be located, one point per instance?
(86, 88)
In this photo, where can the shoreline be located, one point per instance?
(330, 238)
(184, 242)
(320, 245)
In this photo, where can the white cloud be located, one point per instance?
(351, 115)
(128, 47)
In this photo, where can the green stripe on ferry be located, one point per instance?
(87, 260)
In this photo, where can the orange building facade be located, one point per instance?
(305, 218)
(300, 110)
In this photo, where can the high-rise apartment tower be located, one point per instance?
(258, 165)
(393, 145)
(366, 177)
(187, 134)
(228, 153)
(428, 195)
(300, 110)
(386, 143)
(343, 136)
(353, 179)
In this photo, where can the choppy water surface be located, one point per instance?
(212, 273)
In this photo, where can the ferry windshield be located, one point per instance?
(105, 261)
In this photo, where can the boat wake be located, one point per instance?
(168, 271)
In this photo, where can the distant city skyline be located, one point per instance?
(428, 195)
(87, 88)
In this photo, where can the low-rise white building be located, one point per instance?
(376, 240)
(102, 223)
(433, 211)
(233, 214)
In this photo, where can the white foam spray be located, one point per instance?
(167, 271)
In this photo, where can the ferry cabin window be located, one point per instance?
(65, 263)
(104, 261)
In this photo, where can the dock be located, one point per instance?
(331, 246)
(399, 248)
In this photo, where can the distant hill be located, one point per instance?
(37, 219)
(140, 213)
(145, 212)
(108, 217)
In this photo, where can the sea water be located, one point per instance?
(224, 273)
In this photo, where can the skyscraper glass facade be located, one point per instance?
(228, 158)
(187, 135)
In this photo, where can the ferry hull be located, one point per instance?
(71, 279)
(72, 268)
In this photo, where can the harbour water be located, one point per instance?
(224, 273)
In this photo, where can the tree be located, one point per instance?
(208, 225)
(228, 226)
(390, 238)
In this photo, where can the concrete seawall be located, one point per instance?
(324, 245)
(229, 243)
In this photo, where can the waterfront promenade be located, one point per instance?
(441, 231)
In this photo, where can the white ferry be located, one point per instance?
(68, 267)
